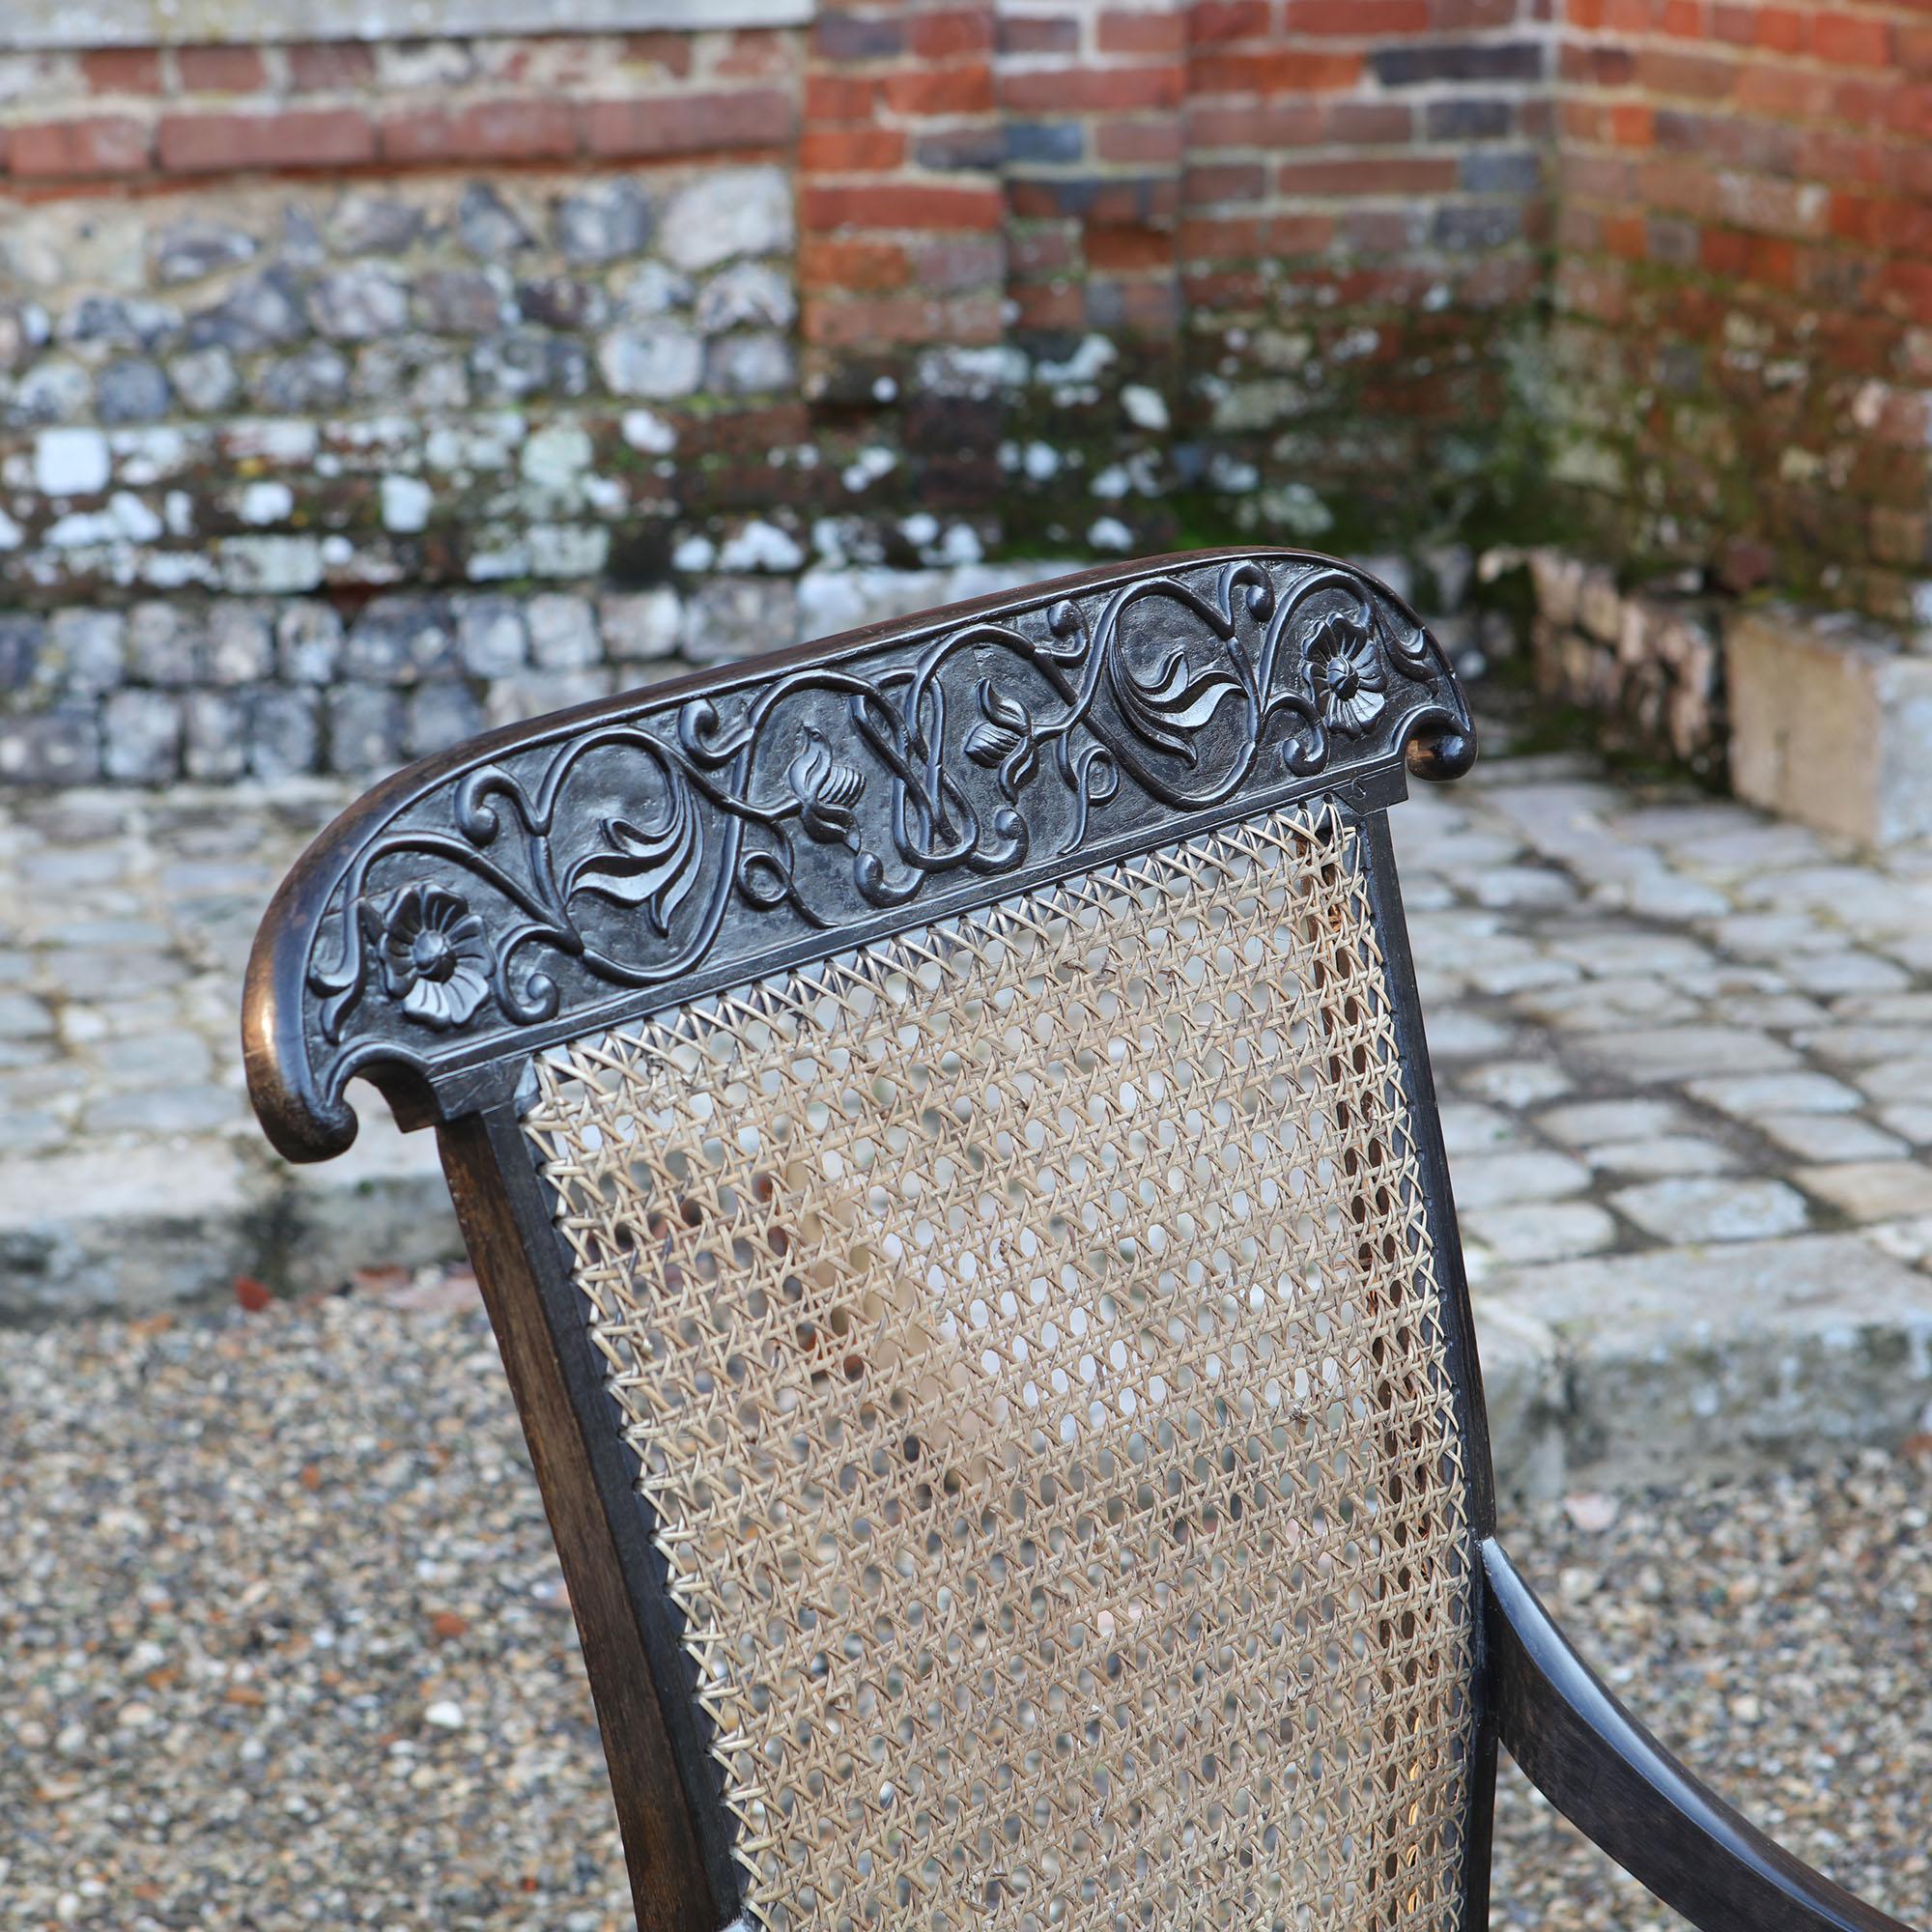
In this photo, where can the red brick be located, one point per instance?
(959, 262)
(668, 52)
(1127, 251)
(1736, 25)
(1626, 236)
(220, 70)
(1143, 142)
(1233, 181)
(1582, 121)
(859, 265)
(1913, 49)
(1368, 124)
(1209, 238)
(1686, 76)
(953, 90)
(1783, 93)
(852, 151)
(490, 130)
(100, 144)
(1783, 30)
(1028, 34)
(900, 205)
(1405, 174)
(687, 124)
(1278, 123)
(1275, 71)
(1851, 41)
(1137, 33)
(1211, 22)
(1467, 17)
(1723, 251)
(756, 53)
(1048, 304)
(841, 96)
(884, 319)
(1037, 248)
(315, 137)
(1105, 90)
(1145, 305)
(320, 66)
(1359, 20)
(1633, 125)
(951, 32)
(122, 69)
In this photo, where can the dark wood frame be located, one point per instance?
(344, 921)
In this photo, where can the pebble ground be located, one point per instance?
(283, 1643)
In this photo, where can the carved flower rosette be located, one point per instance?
(697, 840)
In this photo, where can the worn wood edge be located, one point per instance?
(662, 1782)
(1610, 1776)
(306, 1123)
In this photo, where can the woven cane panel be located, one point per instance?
(1027, 1334)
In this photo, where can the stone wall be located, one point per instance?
(356, 393)
(1649, 659)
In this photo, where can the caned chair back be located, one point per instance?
(959, 1104)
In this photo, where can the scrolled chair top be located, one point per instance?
(544, 881)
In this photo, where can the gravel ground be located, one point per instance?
(282, 1642)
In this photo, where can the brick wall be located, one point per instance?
(379, 340)
(1743, 336)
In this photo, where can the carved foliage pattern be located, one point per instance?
(656, 840)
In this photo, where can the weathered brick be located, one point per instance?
(1408, 173)
(327, 67)
(690, 124)
(1359, 20)
(1274, 70)
(1034, 34)
(950, 90)
(1851, 40)
(1119, 31)
(949, 32)
(897, 204)
(855, 150)
(860, 267)
(122, 69)
(525, 129)
(1139, 142)
(219, 70)
(97, 144)
(837, 35)
(298, 137)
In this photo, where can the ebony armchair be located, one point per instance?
(942, 1123)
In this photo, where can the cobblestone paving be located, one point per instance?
(1684, 1052)
(283, 1643)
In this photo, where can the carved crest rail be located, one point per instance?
(572, 872)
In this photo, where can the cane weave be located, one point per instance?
(1027, 1333)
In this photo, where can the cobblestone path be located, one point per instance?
(1685, 1054)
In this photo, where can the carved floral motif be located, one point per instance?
(435, 961)
(660, 840)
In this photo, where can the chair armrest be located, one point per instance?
(1610, 1777)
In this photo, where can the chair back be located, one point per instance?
(943, 1127)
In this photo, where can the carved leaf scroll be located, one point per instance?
(672, 838)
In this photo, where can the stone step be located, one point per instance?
(1831, 722)
(141, 1226)
(1723, 1359)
